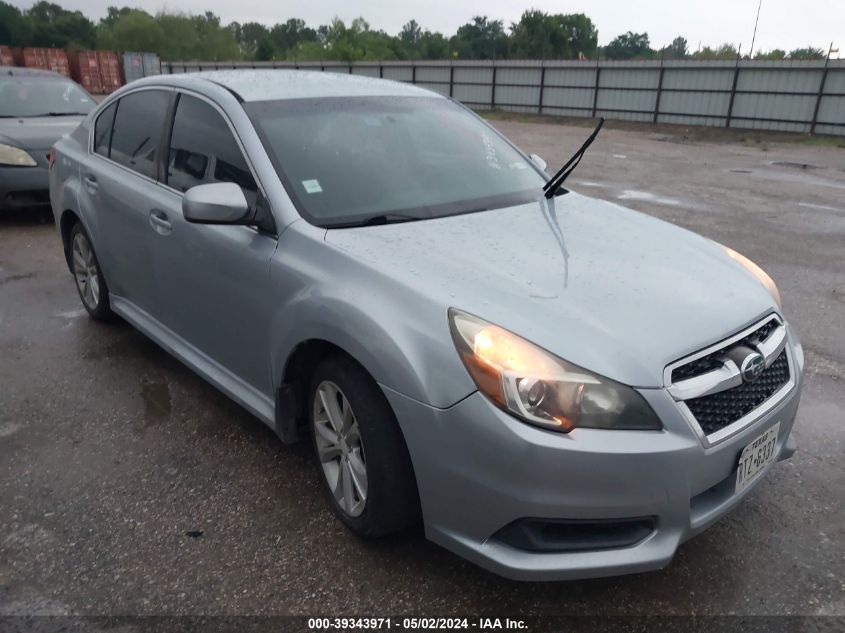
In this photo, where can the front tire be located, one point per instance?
(88, 276)
(364, 463)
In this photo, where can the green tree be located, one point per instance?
(250, 36)
(134, 30)
(433, 46)
(629, 45)
(481, 39)
(51, 25)
(677, 49)
(807, 53)
(264, 51)
(288, 36)
(538, 35)
(775, 53)
(411, 38)
(14, 27)
(725, 52)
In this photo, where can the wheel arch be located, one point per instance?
(292, 394)
(67, 221)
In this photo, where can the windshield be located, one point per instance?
(28, 97)
(351, 161)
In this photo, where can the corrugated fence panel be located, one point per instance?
(477, 96)
(367, 71)
(695, 103)
(585, 76)
(474, 74)
(518, 95)
(557, 99)
(629, 78)
(520, 76)
(433, 74)
(770, 95)
(398, 73)
(779, 80)
(703, 79)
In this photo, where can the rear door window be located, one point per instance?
(138, 125)
(203, 149)
(102, 130)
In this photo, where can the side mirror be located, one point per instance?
(538, 161)
(215, 203)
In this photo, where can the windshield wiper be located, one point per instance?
(58, 114)
(374, 220)
(554, 183)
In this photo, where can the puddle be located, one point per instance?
(619, 156)
(820, 207)
(156, 397)
(10, 428)
(645, 196)
(71, 314)
(740, 171)
(793, 164)
(589, 183)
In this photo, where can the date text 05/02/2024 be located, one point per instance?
(416, 623)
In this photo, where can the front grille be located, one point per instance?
(718, 410)
(712, 361)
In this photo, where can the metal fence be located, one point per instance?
(789, 96)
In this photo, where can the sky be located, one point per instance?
(785, 24)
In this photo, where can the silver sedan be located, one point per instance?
(558, 387)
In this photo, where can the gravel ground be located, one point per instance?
(130, 486)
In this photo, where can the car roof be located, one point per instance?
(273, 84)
(17, 71)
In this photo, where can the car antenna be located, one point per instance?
(554, 183)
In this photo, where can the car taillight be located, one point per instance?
(51, 158)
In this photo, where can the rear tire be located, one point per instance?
(88, 276)
(364, 463)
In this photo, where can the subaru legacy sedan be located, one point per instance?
(556, 386)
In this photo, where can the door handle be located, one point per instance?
(91, 183)
(159, 222)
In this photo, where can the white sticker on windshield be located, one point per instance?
(312, 186)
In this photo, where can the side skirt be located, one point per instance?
(241, 392)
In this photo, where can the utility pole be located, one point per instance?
(754, 37)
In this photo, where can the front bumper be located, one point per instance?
(479, 469)
(24, 187)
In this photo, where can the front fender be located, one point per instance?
(398, 335)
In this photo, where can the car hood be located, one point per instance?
(36, 132)
(612, 290)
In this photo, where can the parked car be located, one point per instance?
(558, 386)
(36, 108)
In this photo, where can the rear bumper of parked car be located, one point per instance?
(24, 187)
(479, 470)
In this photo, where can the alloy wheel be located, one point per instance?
(85, 272)
(340, 448)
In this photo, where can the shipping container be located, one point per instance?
(86, 71)
(109, 71)
(54, 59)
(132, 67)
(6, 56)
(136, 65)
(152, 64)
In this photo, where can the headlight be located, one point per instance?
(759, 273)
(539, 388)
(15, 157)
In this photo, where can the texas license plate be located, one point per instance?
(755, 457)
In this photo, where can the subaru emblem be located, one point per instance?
(752, 367)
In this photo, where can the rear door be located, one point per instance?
(213, 280)
(119, 186)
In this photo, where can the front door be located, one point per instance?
(213, 281)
